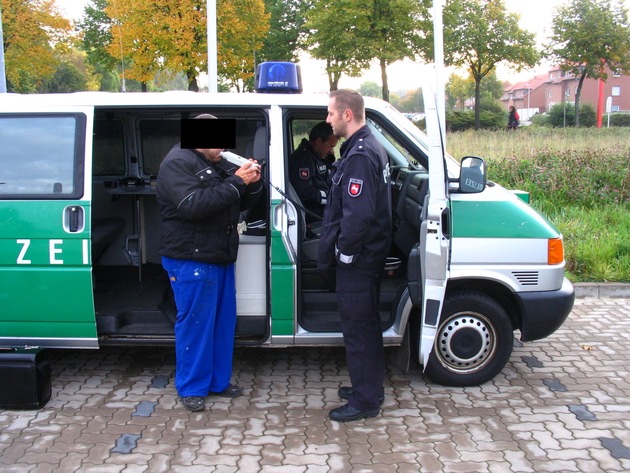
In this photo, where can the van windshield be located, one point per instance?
(420, 140)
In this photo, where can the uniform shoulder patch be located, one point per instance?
(355, 186)
(305, 173)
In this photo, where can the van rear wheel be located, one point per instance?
(473, 343)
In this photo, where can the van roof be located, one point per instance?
(171, 98)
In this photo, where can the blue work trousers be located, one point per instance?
(205, 297)
(358, 296)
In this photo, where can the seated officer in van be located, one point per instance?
(308, 169)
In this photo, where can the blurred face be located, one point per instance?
(337, 119)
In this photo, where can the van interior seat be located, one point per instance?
(309, 244)
(258, 148)
(104, 230)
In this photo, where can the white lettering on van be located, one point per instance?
(53, 250)
(25, 244)
(85, 252)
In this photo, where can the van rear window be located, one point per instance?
(41, 156)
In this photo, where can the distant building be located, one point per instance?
(540, 93)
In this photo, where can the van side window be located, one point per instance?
(109, 148)
(41, 156)
(157, 137)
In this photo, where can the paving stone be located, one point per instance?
(616, 447)
(561, 404)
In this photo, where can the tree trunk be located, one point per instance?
(333, 82)
(143, 86)
(578, 92)
(333, 77)
(477, 103)
(192, 82)
(384, 80)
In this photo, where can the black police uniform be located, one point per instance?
(308, 173)
(355, 240)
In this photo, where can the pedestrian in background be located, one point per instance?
(355, 242)
(513, 118)
(201, 195)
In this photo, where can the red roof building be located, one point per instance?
(541, 92)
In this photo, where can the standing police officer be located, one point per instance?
(355, 241)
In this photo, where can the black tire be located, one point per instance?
(473, 343)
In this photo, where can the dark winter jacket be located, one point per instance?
(200, 205)
(357, 226)
(308, 173)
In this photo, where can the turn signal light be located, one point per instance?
(555, 251)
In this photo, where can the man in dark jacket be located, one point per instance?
(200, 195)
(308, 169)
(355, 241)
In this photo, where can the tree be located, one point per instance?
(333, 26)
(34, 33)
(67, 78)
(349, 34)
(393, 33)
(370, 89)
(287, 30)
(242, 26)
(133, 31)
(413, 102)
(95, 26)
(590, 37)
(181, 37)
(458, 90)
(479, 34)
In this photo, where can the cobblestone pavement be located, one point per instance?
(560, 405)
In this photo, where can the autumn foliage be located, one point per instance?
(149, 35)
(34, 33)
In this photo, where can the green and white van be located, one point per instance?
(471, 261)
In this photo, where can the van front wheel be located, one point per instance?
(473, 343)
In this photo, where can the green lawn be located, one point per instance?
(578, 178)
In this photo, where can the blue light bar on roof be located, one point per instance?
(278, 78)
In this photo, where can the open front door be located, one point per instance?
(434, 246)
(46, 297)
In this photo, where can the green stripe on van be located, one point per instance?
(499, 219)
(282, 284)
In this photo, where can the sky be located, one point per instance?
(535, 16)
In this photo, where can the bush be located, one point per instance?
(563, 115)
(618, 119)
(488, 119)
(542, 120)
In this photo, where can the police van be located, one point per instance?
(470, 263)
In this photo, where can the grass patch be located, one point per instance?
(578, 178)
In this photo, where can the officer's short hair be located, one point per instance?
(322, 131)
(349, 99)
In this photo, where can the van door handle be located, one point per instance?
(73, 219)
(446, 223)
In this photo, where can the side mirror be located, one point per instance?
(472, 177)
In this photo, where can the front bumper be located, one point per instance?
(544, 312)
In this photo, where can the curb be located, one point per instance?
(601, 290)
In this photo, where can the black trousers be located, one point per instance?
(358, 296)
